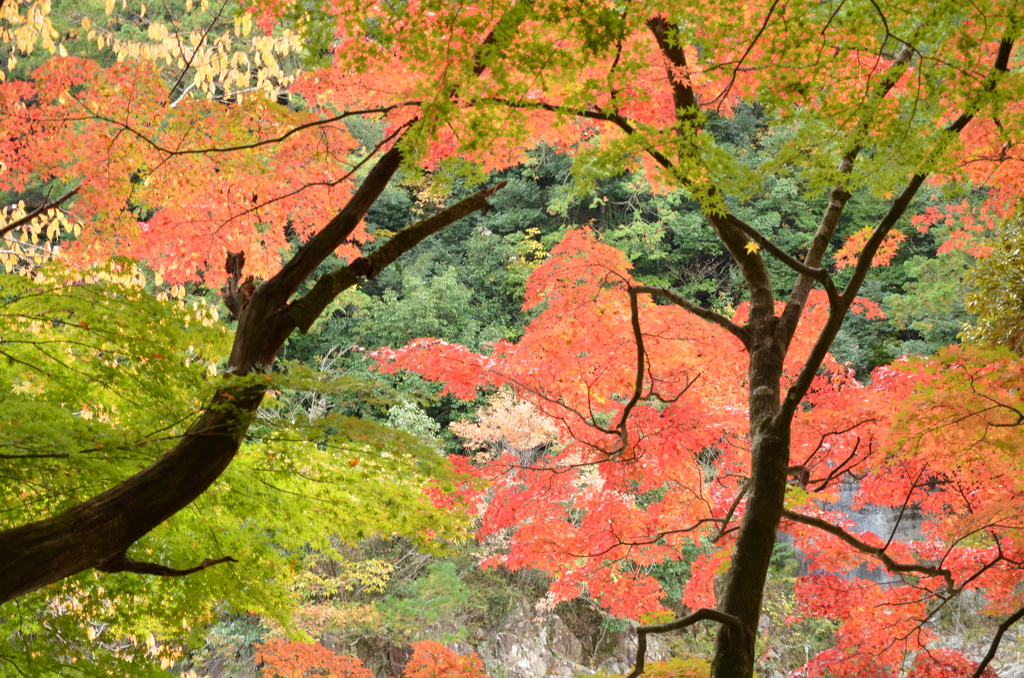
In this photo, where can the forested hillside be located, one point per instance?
(525, 339)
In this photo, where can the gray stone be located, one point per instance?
(623, 653)
(533, 645)
(562, 642)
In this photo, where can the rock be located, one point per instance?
(563, 643)
(521, 652)
(533, 646)
(562, 668)
(623, 653)
(526, 645)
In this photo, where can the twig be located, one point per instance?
(49, 205)
(740, 333)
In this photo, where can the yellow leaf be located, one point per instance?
(752, 247)
(142, 10)
(110, 7)
(86, 23)
(63, 52)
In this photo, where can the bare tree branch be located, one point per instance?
(703, 614)
(724, 528)
(122, 563)
(837, 312)
(818, 274)
(209, 150)
(739, 63)
(305, 310)
(638, 385)
(46, 206)
(740, 333)
(838, 199)
(195, 49)
(890, 564)
(998, 638)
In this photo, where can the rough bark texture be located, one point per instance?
(98, 532)
(95, 531)
(767, 342)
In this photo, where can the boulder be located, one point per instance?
(533, 646)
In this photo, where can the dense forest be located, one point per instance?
(515, 339)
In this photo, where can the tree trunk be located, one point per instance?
(99, 531)
(755, 541)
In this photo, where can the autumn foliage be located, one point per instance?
(605, 503)
(669, 428)
(433, 660)
(295, 659)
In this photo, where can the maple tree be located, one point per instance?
(67, 105)
(877, 99)
(621, 494)
(996, 283)
(292, 659)
(597, 395)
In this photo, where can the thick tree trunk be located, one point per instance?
(101, 529)
(98, 532)
(755, 541)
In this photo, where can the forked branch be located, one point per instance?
(839, 196)
(896, 210)
(737, 331)
(305, 310)
(819, 274)
(877, 552)
(899, 205)
(703, 614)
